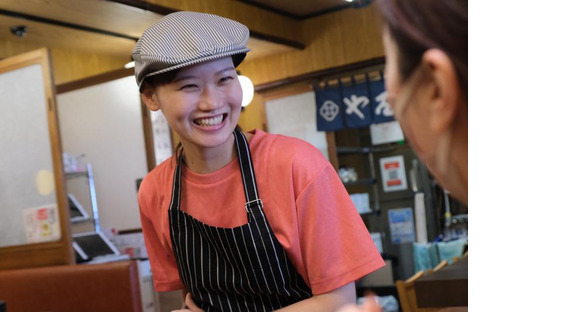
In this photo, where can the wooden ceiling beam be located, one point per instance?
(263, 24)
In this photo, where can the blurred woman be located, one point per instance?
(425, 45)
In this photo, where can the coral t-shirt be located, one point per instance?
(305, 202)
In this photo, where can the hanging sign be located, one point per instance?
(357, 106)
(393, 173)
(381, 109)
(353, 106)
(328, 109)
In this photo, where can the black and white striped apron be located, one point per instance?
(233, 269)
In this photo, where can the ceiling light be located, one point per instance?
(247, 90)
(130, 65)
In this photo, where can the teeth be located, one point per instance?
(206, 122)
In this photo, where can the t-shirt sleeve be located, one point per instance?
(163, 265)
(336, 246)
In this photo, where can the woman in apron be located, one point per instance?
(238, 221)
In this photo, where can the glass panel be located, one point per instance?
(28, 202)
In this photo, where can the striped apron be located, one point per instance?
(233, 269)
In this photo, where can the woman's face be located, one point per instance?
(412, 112)
(432, 113)
(202, 104)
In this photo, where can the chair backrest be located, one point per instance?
(407, 295)
(441, 265)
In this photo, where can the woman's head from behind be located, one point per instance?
(426, 79)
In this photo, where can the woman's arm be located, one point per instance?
(329, 301)
(188, 305)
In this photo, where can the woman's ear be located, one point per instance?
(444, 100)
(149, 97)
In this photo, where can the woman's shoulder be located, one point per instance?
(286, 145)
(156, 178)
(281, 150)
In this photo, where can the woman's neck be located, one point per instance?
(207, 160)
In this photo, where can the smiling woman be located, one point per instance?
(295, 244)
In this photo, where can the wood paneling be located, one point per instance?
(70, 65)
(42, 34)
(336, 39)
(103, 15)
(255, 18)
(344, 37)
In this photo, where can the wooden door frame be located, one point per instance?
(60, 251)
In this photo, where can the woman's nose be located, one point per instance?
(209, 99)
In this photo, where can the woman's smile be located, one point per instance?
(212, 121)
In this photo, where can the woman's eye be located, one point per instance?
(188, 86)
(224, 79)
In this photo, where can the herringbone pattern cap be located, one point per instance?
(185, 38)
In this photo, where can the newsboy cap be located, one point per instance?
(185, 38)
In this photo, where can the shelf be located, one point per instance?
(370, 181)
(372, 212)
(345, 150)
(74, 174)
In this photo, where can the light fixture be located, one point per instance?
(130, 65)
(247, 90)
(18, 30)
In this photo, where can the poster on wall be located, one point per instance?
(401, 225)
(386, 132)
(161, 137)
(41, 224)
(393, 173)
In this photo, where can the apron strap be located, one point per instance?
(176, 189)
(246, 167)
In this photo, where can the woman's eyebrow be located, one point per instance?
(185, 77)
(226, 69)
(178, 79)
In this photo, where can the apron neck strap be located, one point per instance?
(176, 189)
(246, 167)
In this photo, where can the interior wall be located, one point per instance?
(104, 123)
(71, 65)
(68, 65)
(258, 20)
(335, 39)
(340, 38)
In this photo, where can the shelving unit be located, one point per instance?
(372, 180)
(354, 148)
(88, 173)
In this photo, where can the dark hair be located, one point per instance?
(417, 26)
(167, 77)
(158, 80)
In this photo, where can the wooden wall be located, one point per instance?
(340, 38)
(256, 19)
(335, 39)
(68, 65)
